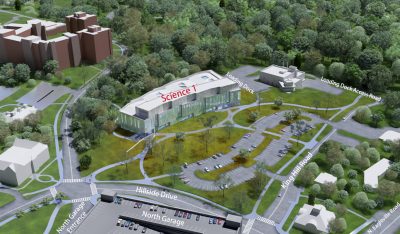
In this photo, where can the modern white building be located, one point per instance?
(285, 78)
(314, 219)
(324, 178)
(179, 100)
(21, 161)
(390, 136)
(19, 113)
(373, 173)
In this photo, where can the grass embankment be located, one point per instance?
(362, 102)
(242, 117)
(269, 197)
(79, 76)
(34, 222)
(352, 135)
(5, 17)
(325, 132)
(111, 149)
(195, 123)
(5, 199)
(247, 97)
(230, 200)
(192, 149)
(121, 172)
(296, 147)
(61, 217)
(306, 97)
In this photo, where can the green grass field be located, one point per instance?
(61, 217)
(5, 17)
(5, 199)
(193, 149)
(308, 136)
(120, 173)
(247, 97)
(306, 97)
(269, 197)
(195, 123)
(110, 150)
(214, 174)
(228, 201)
(352, 135)
(325, 132)
(79, 76)
(33, 222)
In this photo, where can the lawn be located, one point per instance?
(306, 137)
(49, 114)
(191, 150)
(296, 147)
(306, 97)
(294, 212)
(110, 150)
(242, 117)
(269, 197)
(195, 123)
(352, 135)
(12, 99)
(231, 199)
(5, 199)
(28, 9)
(61, 217)
(325, 132)
(79, 76)
(5, 17)
(35, 186)
(362, 102)
(247, 97)
(62, 3)
(119, 172)
(33, 222)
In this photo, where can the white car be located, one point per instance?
(206, 169)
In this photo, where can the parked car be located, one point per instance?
(214, 156)
(254, 146)
(185, 165)
(136, 205)
(214, 220)
(136, 227)
(233, 146)
(184, 215)
(206, 169)
(210, 221)
(216, 166)
(219, 221)
(163, 210)
(199, 163)
(197, 217)
(119, 222)
(219, 165)
(155, 208)
(131, 225)
(189, 216)
(176, 213)
(219, 154)
(180, 214)
(144, 230)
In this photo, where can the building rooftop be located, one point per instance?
(19, 113)
(104, 216)
(316, 216)
(324, 178)
(22, 152)
(371, 175)
(390, 136)
(284, 72)
(204, 80)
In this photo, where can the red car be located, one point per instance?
(219, 221)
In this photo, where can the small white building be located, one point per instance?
(19, 113)
(285, 78)
(314, 219)
(372, 174)
(324, 178)
(21, 161)
(390, 136)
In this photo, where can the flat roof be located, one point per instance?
(324, 178)
(103, 219)
(204, 80)
(371, 175)
(280, 71)
(390, 136)
(22, 152)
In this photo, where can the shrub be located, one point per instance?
(352, 174)
(31, 83)
(67, 80)
(363, 114)
(329, 204)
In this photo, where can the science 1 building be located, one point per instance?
(179, 100)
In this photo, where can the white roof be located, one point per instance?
(371, 175)
(204, 80)
(390, 136)
(22, 152)
(324, 178)
(283, 72)
(19, 113)
(316, 215)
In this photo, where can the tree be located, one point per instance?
(391, 99)
(84, 162)
(51, 66)
(278, 102)
(363, 114)
(352, 174)
(22, 72)
(201, 58)
(311, 199)
(364, 163)
(376, 8)
(360, 200)
(17, 5)
(373, 155)
(387, 189)
(337, 225)
(328, 190)
(258, 183)
(383, 39)
(341, 183)
(240, 201)
(369, 57)
(253, 116)
(263, 51)
(396, 68)
(313, 167)
(243, 153)
(305, 178)
(329, 204)
(353, 74)
(336, 70)
(337, 170)
(228, 127)
(319, 70)
(343, 195)
(379, 78)
(315, 189)
(223, 182)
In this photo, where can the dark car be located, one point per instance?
(214, 220)
(197, 217)
(189, 215)
(131, 226)
(176, 213)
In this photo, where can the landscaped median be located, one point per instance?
(190, 150)
(269, 197)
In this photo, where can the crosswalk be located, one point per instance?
(249, 226)
(93, 188)
(53, 191)
(265, 220)
(73, 180)
(78, 200)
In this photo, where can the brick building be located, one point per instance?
(78, 39)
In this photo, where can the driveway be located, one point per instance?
(324, 87)
(5, 92)
(242, 74)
